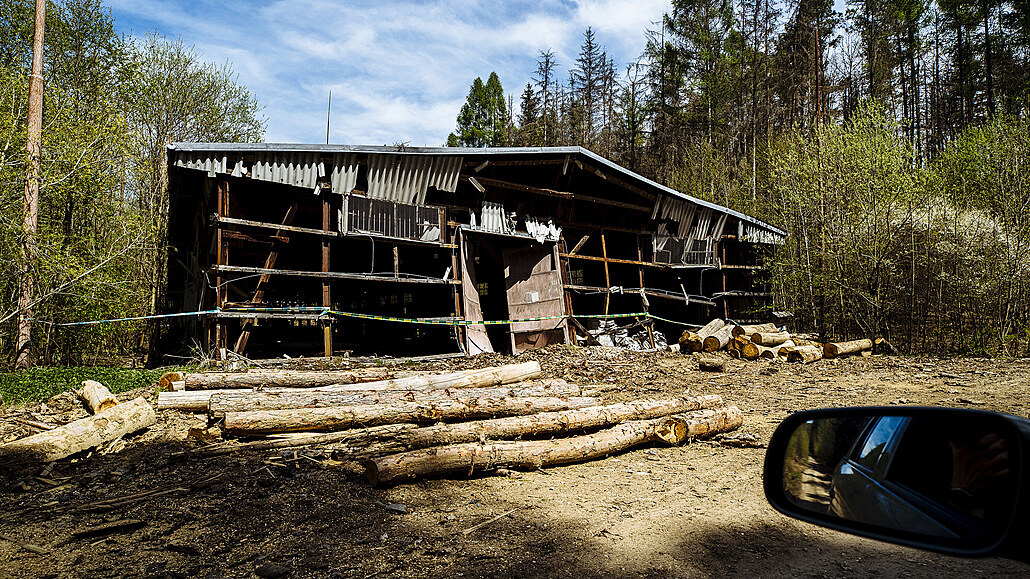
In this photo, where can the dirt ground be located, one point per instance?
(691, 511)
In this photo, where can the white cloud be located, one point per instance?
(399, 71)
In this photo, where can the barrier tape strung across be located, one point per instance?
(474, 322)
(327, 311)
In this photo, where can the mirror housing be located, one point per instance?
(835, 468)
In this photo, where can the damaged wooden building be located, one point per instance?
(322, 249)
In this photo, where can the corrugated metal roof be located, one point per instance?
(405, 179)
(202, 155)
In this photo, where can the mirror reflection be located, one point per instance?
(930, 474)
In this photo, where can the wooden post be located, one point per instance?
(221, 257)
(396, 261)
(725, 301)
(643, 299)
(327, 302)
(563, 268)
(452, 240)
(607, 277)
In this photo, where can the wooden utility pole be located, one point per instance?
(31, 212)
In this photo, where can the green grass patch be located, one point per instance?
(37, 384)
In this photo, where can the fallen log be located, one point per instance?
(805, 354)
(548, 423)
(719, 339)
(341, 417)
(748, 329)
(777, 351)
(532, 454)
(104, 426)
(229, 401)
(694, 342)
(834, 349)
(770, 338)
(364, 442)
(494, 376)
(272, 378)
(699, 424)
(98, 398)
(200, 400)
(711, 363)
(748, 349)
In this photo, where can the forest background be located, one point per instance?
(890, 141)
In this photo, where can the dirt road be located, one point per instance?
(691, 511)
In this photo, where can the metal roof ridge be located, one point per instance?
(465, 151)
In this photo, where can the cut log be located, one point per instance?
(834, 349)
(711, 363)
(200, 400)
(165, 383)
(466, 379)
(340, 417)
(805, 354)
(770, 338)
(274, 378)
(719, 339)
(699, 424)
(551, 423)
(748, 349)
(882, 346)
(224, 401)
(747, 330)
(533, 454)
(98, 398)
(774, 352)
(694, 341)
(377, 440)
(192, 400)
(104, 426)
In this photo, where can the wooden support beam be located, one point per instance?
(220, 220)
(612, 260)
(330, 275)
(617, 181)
(643, 299)
(560, 194)
(327, 300)
(579, 244)
(607, 276)
(259, 290)
(396, 262)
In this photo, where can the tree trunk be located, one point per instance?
(533, 454)
(107, 425)
(231, 401)
(777, 351)
(770, 338)
(805, 354)
(466, 379)
(834, 349)
(752, 329)
(719, 339)
(97, 396)
(694, 342)
(748, 349)
(711, 363)
(273, 378)
(341, 417)
(377, 440)
(699, 424)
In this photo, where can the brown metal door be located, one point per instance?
(534, 288)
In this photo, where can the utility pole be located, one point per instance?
(31, 210)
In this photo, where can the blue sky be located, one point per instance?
(399, 71)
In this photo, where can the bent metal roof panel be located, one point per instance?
(403, 174)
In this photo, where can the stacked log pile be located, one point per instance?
(430, 424)
(751, 342)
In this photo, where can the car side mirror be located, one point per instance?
(947, 480)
